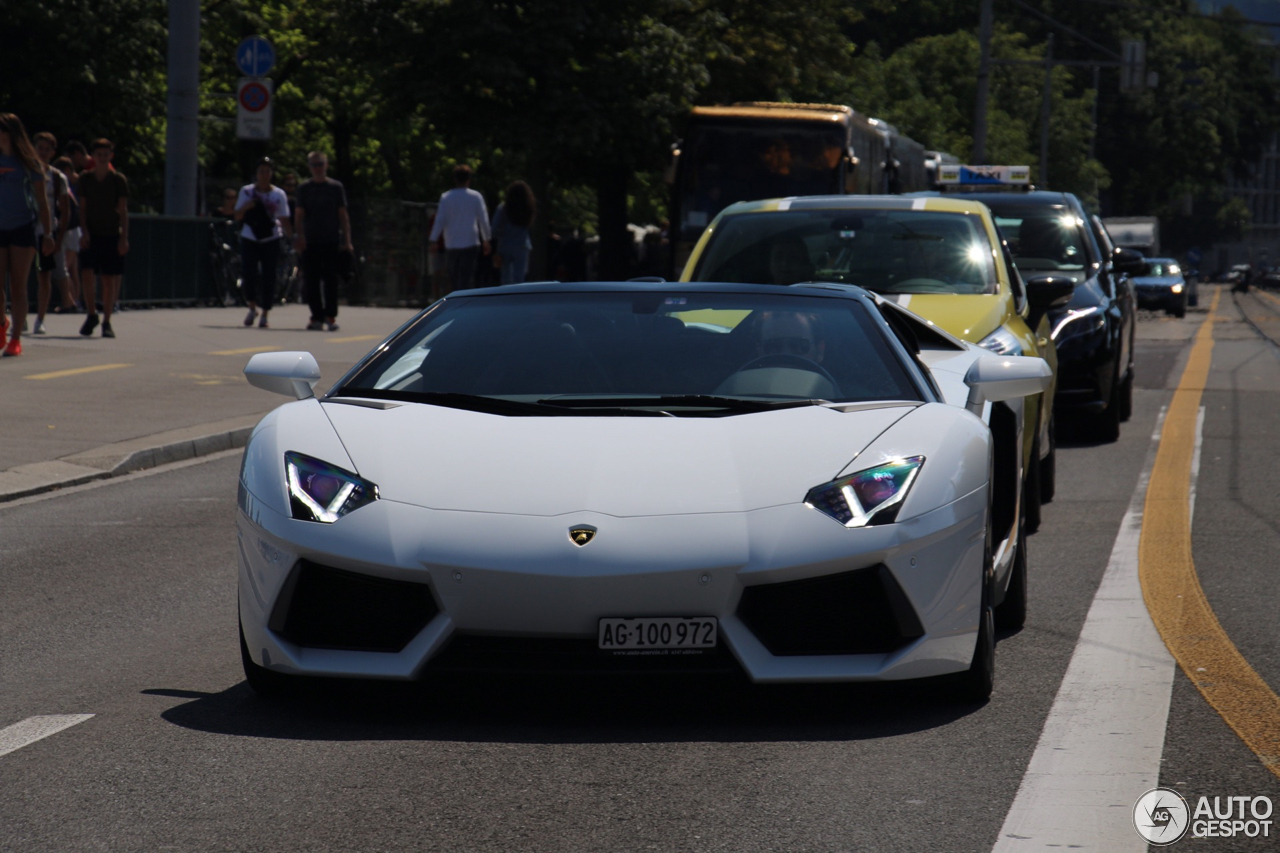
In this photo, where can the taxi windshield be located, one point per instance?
(888, 251)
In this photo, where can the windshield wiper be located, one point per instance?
(453, 400)
(697, 401)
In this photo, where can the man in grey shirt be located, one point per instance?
(324, 229)
(463, 220)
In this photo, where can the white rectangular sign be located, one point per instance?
(253, 108)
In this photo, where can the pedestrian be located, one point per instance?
(22, 206)
(264, 210)
(227, 209)
(104, 237)
(79, 156)
(58, 195)
(463, 220)
(511, 222)
(324, 232)
(66, 272)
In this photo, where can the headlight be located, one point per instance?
(1177, 288)
(322, 492)
(1002, 342)
(1079, 322)
(868, 497)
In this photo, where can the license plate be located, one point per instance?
(658, 633)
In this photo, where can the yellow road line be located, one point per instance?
(245, 350)
(1171, 588)
(1268, 296)
(355, 338)
(58, 374)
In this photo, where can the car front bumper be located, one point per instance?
(401, 590)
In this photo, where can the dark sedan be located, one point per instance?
(1162, 286)
(1051, 234)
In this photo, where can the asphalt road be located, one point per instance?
(117, 600)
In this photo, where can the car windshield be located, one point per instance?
(631, 352)
(888, 251)
(1160, 268)
(1043, 237)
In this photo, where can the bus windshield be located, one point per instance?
(726, 163)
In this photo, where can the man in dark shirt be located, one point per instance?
(104, 239)
(324, 229)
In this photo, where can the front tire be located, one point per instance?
(976, 683)
(1031, 490)
(1106, 427)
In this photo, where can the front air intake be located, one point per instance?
(851, 613)
(325, 608)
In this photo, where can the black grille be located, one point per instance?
(858, 612)
(326, 608)
(477, 653)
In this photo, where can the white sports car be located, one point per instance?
(798, 483)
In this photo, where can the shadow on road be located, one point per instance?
(584, 710)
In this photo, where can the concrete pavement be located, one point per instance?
(170, 386)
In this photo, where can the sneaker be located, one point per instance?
(315, 326)
(107, 331)
(262, 324)
(14, 348)
(331, 325)
(4, 328)
(39, 330)
(90, 323)
(251, 316)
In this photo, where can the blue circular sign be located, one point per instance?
(255, 57)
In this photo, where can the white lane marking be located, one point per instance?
(32, 729)
(1195, 463)
(1103, 739)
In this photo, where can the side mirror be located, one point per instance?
(293, 374)
(1005, 377)
(1046, 292)
(1129, 261)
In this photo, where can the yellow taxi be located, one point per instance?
(940, 258)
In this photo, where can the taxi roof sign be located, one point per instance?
(984, 175)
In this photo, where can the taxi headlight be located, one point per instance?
(322, 492)
(872, 496)
(1002, 342)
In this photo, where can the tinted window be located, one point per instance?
(536, 346)
(889, 251)
(1043, 238)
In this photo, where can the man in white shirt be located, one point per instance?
(463, 220)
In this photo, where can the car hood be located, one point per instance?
(454, 459)
(970, 317)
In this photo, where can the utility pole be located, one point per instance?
(984, 84)
(182, 136)
(1046, 111)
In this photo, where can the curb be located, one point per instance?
(125, 457)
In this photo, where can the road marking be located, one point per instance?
(1103, 738)
(58, 374)
(1268, 296)
(355, 338)
(245, 350)
(32, 729)
(1172, 589)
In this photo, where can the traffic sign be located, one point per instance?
(255, 57)
(253, 108)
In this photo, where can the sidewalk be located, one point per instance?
(169, 387)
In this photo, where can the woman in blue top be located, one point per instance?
(21, 173)
(511, 223)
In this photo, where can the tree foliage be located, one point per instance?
(585, 97)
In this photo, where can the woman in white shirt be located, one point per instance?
(264, 210)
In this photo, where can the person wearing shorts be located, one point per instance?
(104, 241)
(55, 185)
(22, 206)
(66, 273)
